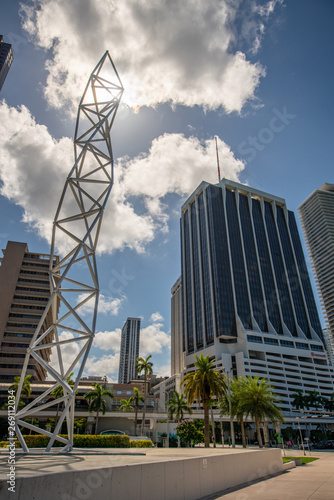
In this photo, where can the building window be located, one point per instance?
(317, 347)
(267, 340)
(254, 338)
(286, 343)
(300, 345)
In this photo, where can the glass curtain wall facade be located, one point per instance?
(242, 262)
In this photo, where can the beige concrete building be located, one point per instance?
(24, 294)
(177, 351)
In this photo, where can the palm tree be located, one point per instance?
(257, 399)
(137, 398)
(177, 406)
(203, 384)
(26, 390)
(231, 407)
(26, 387)
(144, 366)
(96, 400)
(126, 404)
(314, 399)
(329, 403)
(299, 400)
(58, 392)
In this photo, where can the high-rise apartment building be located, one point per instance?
(6, 59)
(247, 296)
(317, 217)
(129, 351)
(329, 343)
(24, 294)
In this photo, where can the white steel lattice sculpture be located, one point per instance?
(84, 197)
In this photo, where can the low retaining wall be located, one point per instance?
(186, 479)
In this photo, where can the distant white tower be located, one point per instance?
(317, 217)
(129, 350)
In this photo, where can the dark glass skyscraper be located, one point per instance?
(246, 290)
(129, 351)
(6, 59)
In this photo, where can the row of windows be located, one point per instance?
(284, 343)
(25, 297)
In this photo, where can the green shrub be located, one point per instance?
(4, 444)
(140, 443)
(79, 441)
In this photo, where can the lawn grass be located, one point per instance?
(305, 460)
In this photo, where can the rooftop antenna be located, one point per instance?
(216, 139)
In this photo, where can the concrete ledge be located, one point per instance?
(180, 479)
(289, 465)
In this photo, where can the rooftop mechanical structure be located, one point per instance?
(76, 228)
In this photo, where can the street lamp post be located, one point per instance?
(230, 410)
(301, 436)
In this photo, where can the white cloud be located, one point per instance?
(163, 370)
(108, 341)
(176, 164)
(107, 305)
(252, 22)
(68, 351)
(33, 168)
(153, 340)
(105, 365)
(167, 51)
(156, 317)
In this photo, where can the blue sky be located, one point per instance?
(258, 74)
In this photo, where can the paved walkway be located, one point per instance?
(313, 481)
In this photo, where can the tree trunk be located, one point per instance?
(96, 422)
(178, 437)
(57, 412)
(259, 437)
(213, 429)
(242, 424)
(136, 416)
(144, 409)
(266, 434)
(222, 432)
(206, 425)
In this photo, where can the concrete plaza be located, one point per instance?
(167, 474)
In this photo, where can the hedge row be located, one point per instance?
(140, 443)
(4, 444)
(79, 441)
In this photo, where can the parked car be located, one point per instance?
(319, 445)
(329, 445)
(112, 432)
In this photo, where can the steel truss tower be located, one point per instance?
(76, 228)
